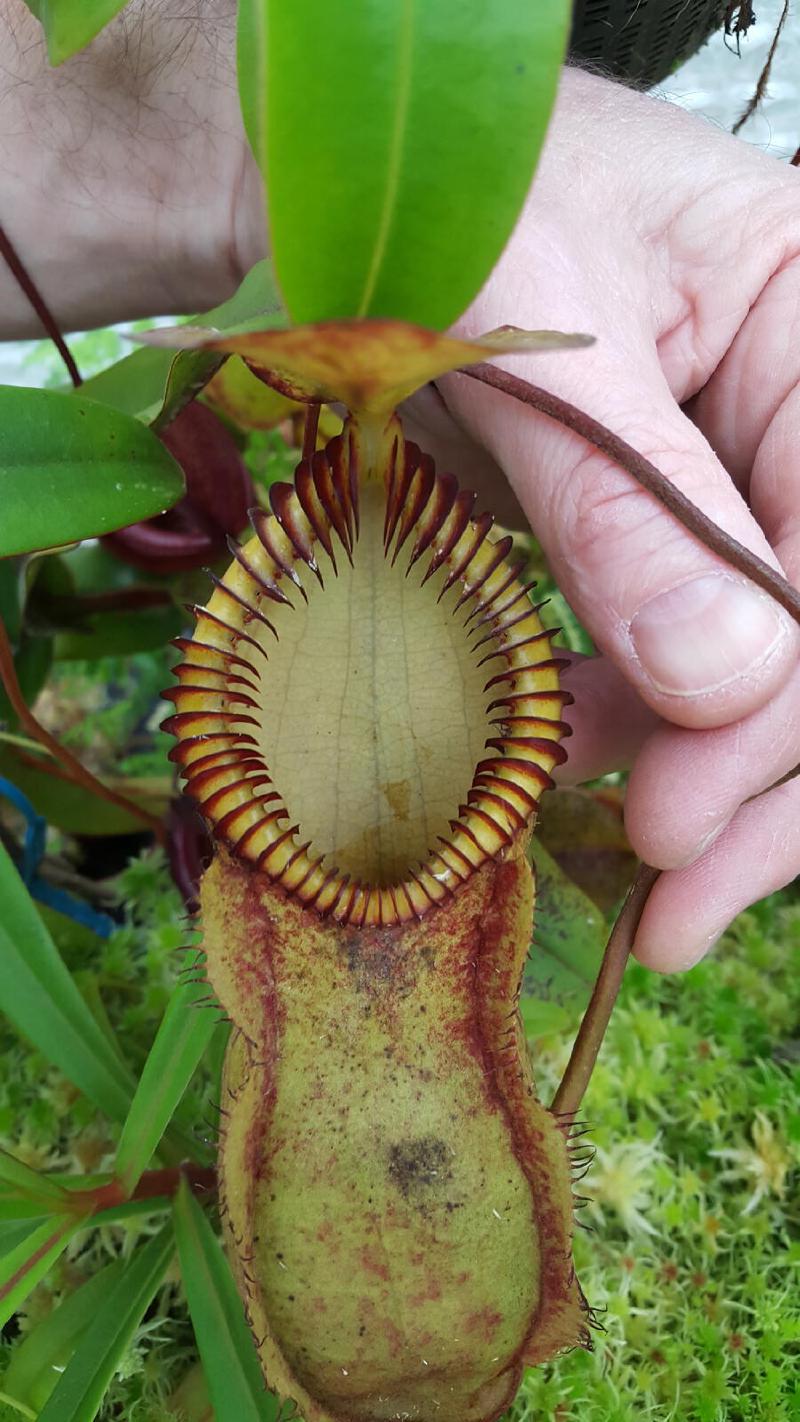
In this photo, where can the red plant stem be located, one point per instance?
(310, 432)
(154, 1184)
(75, 771)
(26, 283)
(575, 1080)
(692, 518)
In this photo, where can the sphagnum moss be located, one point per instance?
(695, 1112)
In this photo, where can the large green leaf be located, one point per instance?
(71, 468)
(69, 25)
(398, 139)
(79, 1392)
(185, 1032)
(39, 996)
(226, 1347)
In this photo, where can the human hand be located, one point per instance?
(678, 247)
(126, 182)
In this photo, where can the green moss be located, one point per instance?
(695, 1207)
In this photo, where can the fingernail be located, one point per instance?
(705, 634)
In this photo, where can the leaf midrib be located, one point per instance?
(395, 154)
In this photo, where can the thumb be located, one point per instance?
(702, 645)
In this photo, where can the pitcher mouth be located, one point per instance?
(369, 709)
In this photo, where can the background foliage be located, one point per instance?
(119, 1306)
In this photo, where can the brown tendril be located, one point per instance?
(27, 285)
(682, 509)
(592, 1030)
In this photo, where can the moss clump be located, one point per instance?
(694, 1194)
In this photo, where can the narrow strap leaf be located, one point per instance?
(181, 1040)
(39, 995)
(28, 1182)
(29, 1261)
(226, 1347)
(79, 1392)
(38, 1360)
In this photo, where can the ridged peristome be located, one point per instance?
(429, 529)
(366, 715)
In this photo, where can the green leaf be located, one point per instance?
(33, 654)
(569, 935)
(69, 25)
(226, 1347)
(17, 1176)
(38, 1361)
(188, 373)
(154, 384)
(12, 1232)
(26, 1263)
(398, 139)
(135, 385)
(119, 634)
(256, 304)
(71, 468)
(33, 658)
(39, 996)
(79, 1391)
(180, 1042)
(65, 805)
(12, 595)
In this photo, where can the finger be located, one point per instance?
(689, 908)
(666, 827)
(702, 645)
(759, 373)
(608, 721)
(669, 827)
(775, 482)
